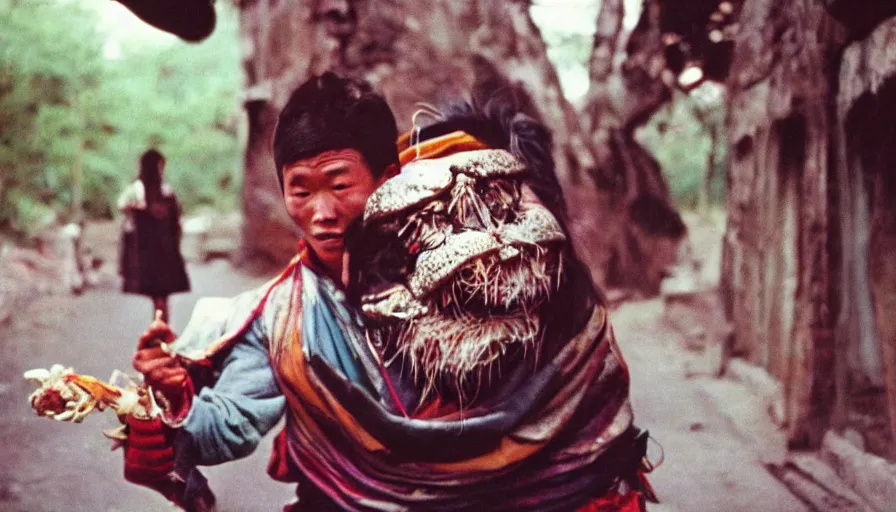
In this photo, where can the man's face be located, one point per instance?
(324, 194)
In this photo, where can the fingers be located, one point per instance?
(151, 354)
(161, 330)
(159, 370)
(154, 352)
(158, 332)
(150, 360)
(168, 378)
(149, 365)
(154, 337)
(153, 358)
(174, 378)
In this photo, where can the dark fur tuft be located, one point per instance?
(499, 121)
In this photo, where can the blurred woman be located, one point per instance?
(151, 263)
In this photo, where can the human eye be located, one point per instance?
(301, 194)
(341, 185)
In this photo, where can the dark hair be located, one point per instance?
(330, 113)
(149, 170)
(500, 120)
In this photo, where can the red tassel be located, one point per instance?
(278, 465)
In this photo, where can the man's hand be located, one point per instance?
(154, 360)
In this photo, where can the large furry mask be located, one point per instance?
(464, 257)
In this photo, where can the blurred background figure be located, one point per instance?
(150, 261)
(80, 264)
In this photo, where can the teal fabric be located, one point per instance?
(228, 420)
(324, 321)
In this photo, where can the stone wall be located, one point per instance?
(808, 272)
(776, 273)
(866, 105)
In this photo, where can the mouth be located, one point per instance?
(328, 240)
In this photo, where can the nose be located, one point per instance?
(324, 210)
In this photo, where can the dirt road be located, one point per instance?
(48, 466)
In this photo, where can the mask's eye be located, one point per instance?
(502, 198)
(468, 207)
(424, 230)
(431, 238)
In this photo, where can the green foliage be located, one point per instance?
(680, 137)
(567, 49)
(74, 122)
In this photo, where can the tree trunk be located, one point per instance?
(599, 109)
(777, 273)
(642, 230)
(705, 197)
(883, 281)
(867, 99)
(710, 175)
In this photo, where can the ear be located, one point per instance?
(390, 171)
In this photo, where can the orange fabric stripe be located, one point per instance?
(307, 391)
(445, 145)
(294, 370)
(508, 452)
(304, 392)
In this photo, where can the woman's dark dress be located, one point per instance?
(151, 262)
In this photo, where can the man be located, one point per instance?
(470, 390)
(333, 145)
